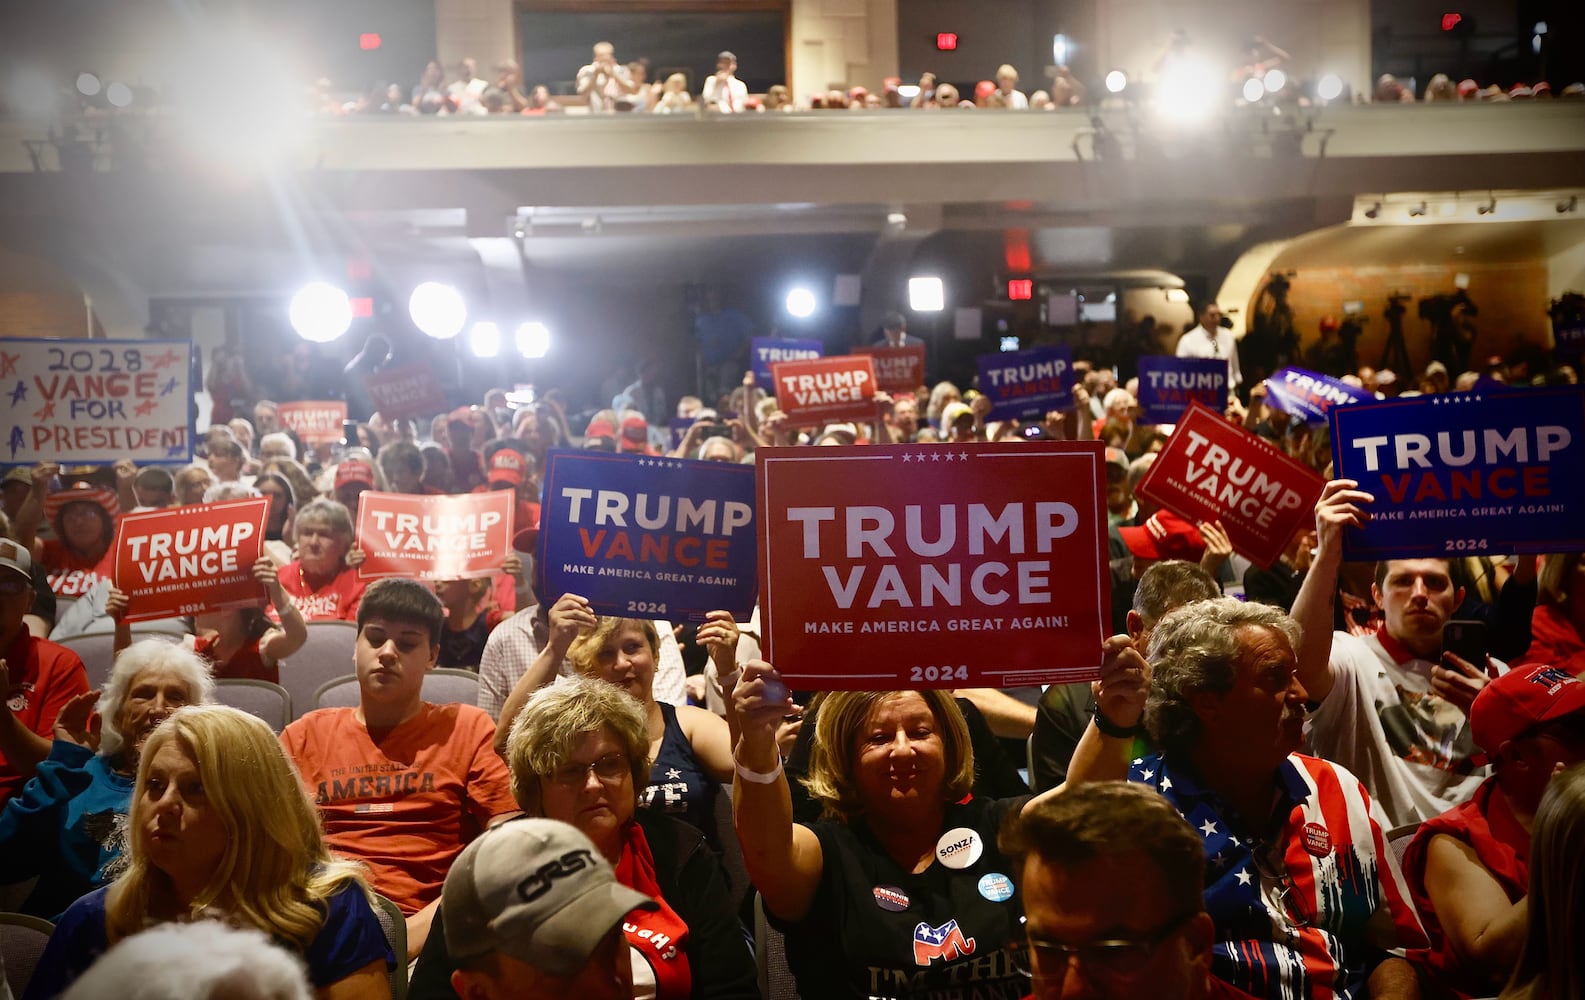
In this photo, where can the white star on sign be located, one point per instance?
(1243, 876)
(935, 456)
(1208, 828)
(672, 774)
(907, 457)
(963, 456)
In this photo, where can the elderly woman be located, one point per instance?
(84, 520)
(221, 828)
(68, 826)
(691, 748)
(579, 753)
(191, 485)
(901, 889)
(319, 581)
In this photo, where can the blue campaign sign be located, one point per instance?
(1310, 396)
(1465, 474)
(1568, 340)
(649, 537)
(1168, 385)
(769, 350)
(1024, 384)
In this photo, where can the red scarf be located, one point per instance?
(660, 936)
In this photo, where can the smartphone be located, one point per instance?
(716, 430)
(1466, 640)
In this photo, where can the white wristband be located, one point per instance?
(757, 777)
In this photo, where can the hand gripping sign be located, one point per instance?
(1168, 385)
(1027, 384)
(434, 537)
(315, 422)
(1456, 475)
(897, 369)
(769, 350)
(95, 401)
(933, 566)
(188, 560)
(1211, 470)
(649, 537)
(821, 390)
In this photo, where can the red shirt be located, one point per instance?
(246, 663)
(44, 677)
(1554, 641)
(71, 576)
(337, 600)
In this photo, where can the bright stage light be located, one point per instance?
(926, 294)
(119, 95)
(1329, 87)
(1275, 80)
(533, 340)
(87, 84)
(801, 303)
(1188, 90)
(484, 340)
(320, 312)
(438, 310)
(1116, 81)
(1254, 90)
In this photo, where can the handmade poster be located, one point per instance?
(934, 566)
(1310, 396)
(766, 351)
(898, 370)
(96, 401)
(1167, 386)
(188, 560)
(408, 391)
(1026, 385)
(315, 422)
(1465, 474)
(434, 537)
(1212, 470)
(649, 537)
(822, 390)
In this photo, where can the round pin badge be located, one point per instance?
(959, 847)
(891, 898)
(996, 887)
(1316, 840)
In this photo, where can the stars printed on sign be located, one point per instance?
(935, 455)
(660, 463)
(672, 774)
(169, 387)
(165, 360)
(146, 407)
(8, 363)
(46, 411)
(1207, 828)
(1243, 876)
(16, 441)
(176, 450)
(1455, 400)
(19, 393)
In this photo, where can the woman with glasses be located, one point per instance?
(579, 753)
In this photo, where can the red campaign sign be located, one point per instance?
(188, 560)
(315, 422)
(1212, 470)
(409, 391)
(999, 579)
(898, 369)
(434, 537)
(821, 390)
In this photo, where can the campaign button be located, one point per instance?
(959, 847)
(996, 887)
(890, 898)
(1316, 840)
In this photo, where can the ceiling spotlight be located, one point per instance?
(1373, 211)
(484, 340)
(1489, 207)
(1329, 87)
(926, 294)
(119, 95)
(1564, 207)
(1417, 211)
(1254, 90)
(87, 84)
(1116, 81)
(437, 309)
(320, 312)
(897, 220)
(1275, 80)
(801, 303)
(533, 339)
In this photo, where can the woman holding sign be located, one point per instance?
(319, 581)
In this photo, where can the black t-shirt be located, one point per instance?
(876, 930)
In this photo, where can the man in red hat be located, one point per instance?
(353, 476)
(635, 435)
(37, 677)
(1469, 868)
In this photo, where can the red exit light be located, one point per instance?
(1021, 289)
(369, 41)
(1451, 21)
(362, 307)
(947, 41)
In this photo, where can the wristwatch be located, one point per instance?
(1108, 728)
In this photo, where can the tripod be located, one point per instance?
(1395, 355)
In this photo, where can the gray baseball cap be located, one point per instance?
(537, 890)
(15, 557)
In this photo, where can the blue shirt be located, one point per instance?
(679, 784)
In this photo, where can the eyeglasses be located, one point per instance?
(610, 769)
(1268, 863)
(1116, 959)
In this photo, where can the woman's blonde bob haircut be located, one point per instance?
(276, 872)
(839, 727)
(586, 648)
(555, 718)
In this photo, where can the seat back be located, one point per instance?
(22, 941)
(326, 656)
(776, 981)
(97, 651)
(394, 924)
(447, 685)
(341, 692)
(1398, 842)
(270, 702)
(731, 849)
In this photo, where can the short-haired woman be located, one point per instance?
(319, 581)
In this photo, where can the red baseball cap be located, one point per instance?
(354, 471)
(506, 466)
(1164, 535)
(1522, 699)
(635, 435)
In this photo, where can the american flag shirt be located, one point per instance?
(1308, 912)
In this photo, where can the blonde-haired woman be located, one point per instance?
(674, 96)
(221, 828)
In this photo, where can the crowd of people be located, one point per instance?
(1213, 817)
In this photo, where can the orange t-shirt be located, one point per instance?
(408, 806)
(44, 677)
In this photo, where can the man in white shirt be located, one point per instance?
(1209, 340)
(724, 92)
(604, 80)
(1007, 84)
(468, 87)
